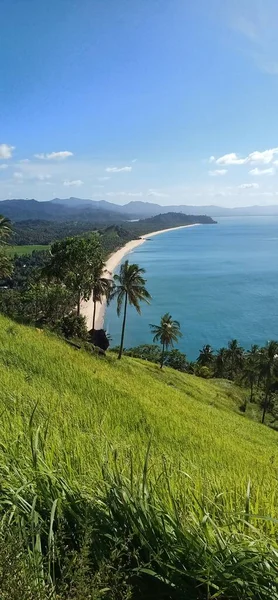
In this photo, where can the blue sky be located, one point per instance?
(154, 100)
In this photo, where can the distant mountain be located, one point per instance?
(101, 211)
(142, 210)
(83, 210)
(137, 209)
(94, 204)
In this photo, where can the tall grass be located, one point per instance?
(117, 479)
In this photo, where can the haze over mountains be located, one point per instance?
(62, 209)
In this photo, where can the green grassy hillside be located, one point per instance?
(22, 250)
(79, 410)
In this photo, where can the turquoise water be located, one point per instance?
(220, 281)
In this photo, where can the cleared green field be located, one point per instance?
(205, 457)
(21, 250)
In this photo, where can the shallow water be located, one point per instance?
(220, 281)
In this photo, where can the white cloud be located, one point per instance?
(217, 172)
(3, 167)
(6, 151)
(265, 157)
(17, 175)
(118, 169)
(103, 178)
(247, 186)
(74, 183)
(257, 171)
(211, 159)
(42, 177)
(231, 159)
(156, 194)
(24, 160)
(54, 155)
(129, 194)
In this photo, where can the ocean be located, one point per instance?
(219, 281)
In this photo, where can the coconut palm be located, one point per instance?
(220, 362)
(5, 230)
(167, 332)
(250, 371)
(268, 371)
(235, 357)
(205, 358)
(129, 287)
(101, 286)
(6, 266)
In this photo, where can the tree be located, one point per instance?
(220, 363)
(167, 332)
(234, 355)
(205, 358)
(129, 287)
(5, 230)
(250, 371)
(176, 360)
(6, 266)
(73, 326)
(72, 262)
(101, 286)
(268, 371)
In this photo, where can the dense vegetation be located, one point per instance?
(125, 480)
(114, 234)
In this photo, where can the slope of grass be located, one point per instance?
(83, 409)
(91, 404)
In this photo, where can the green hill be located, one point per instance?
(75, 433)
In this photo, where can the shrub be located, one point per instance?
(73, 326)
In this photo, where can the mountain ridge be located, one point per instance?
(101, 210)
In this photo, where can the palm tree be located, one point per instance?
(101, 287)
(235, 357)
(268, 370)
(5, 230)
(6, 266)
(205, 357)
(250, 372)
(129, 287)
(220, 362)
(167, 332)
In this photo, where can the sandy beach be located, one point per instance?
(110, 266)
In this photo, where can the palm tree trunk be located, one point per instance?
(94, 315)
(162, 356)
(251, 391)
(123, 330)
(265, 406)
(78, 304)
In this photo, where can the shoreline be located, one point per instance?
(111, 264)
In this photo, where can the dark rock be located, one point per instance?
(98, 338)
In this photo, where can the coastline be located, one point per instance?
(111, 264)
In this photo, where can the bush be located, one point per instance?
(177, 360)
(203, 372)
(73, 326)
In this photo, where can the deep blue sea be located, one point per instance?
(220, 281)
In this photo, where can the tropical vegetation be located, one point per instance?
(167, 332)
(129, 289)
